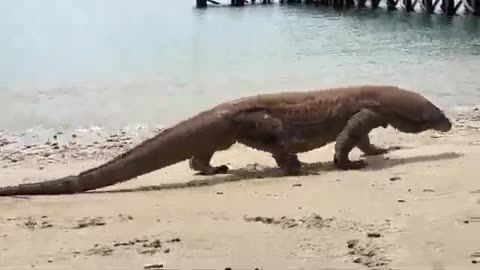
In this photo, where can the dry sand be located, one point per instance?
(414, 208)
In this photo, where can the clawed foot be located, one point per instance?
(214, 170)
(349, 165)
(223, 169)
(289, 164)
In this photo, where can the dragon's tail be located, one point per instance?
(180, 142)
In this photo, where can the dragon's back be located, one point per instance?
(313, 105)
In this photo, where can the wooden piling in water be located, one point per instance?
(448, 7)
(361, 3)
(409, 7)
(201, 3)
(427, 6)
(237, 3)
(476, 7)
(392, 5)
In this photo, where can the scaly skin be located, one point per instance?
(283, 124)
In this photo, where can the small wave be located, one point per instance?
(459, 109)
(84, 135)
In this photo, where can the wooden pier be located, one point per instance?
(236, 3)
(447, 7)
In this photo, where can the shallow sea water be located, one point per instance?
(74, 64)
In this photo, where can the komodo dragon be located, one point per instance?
(282, 124)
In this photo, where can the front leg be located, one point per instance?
(354, 132)
(370, 149)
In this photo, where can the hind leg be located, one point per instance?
(262, 131)
(201, 163)
(286, 160)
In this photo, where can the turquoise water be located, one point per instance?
(70, 63)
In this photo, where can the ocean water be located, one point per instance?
(72, 64)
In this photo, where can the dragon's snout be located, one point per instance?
(441, 123)
(444, 125)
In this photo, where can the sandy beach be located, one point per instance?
(414, 208)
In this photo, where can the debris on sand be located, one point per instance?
(312, 221)
(475, 257)
(153, 266)
(101, 250)
(141, 245)
(88, 222)
(367, 253)
(395, 178)
(31, 223)
(373, 234)
(125, 218)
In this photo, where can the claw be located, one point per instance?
(221, 169)
(376, 152)
(214, 170)
(381, 151)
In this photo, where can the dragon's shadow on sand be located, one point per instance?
(373, 163)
